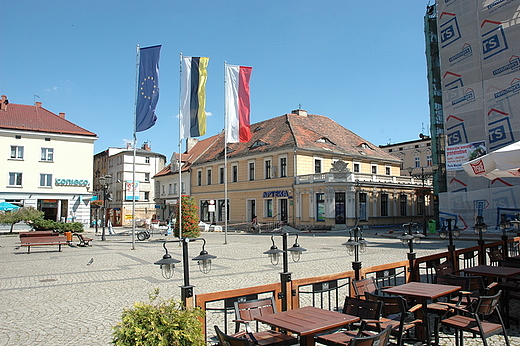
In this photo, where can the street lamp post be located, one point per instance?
(167, 264)
(448, 231)
(355, 245)
(423, 176)
(503, 226)
(285, 276)
(480, 227)
(105, 182)
(409, 238)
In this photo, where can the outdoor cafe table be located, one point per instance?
(423, 292)
(307, 322)
(496, 272)
(492, 271)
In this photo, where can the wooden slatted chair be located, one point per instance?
(368, 311)
(365, 285)
(380, 339)
(473, 319)
(245, 313)
(227, 340)
(396, 314)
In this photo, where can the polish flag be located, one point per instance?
(238, 109)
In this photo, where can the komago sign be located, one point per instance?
(71, 182)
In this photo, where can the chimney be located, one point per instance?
(300, 112)
(62, 115)
(190, 143)
(146, 147)
(4, 103)
(128, 145)
(38, 104)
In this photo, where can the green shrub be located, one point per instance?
(165, 323)
(42, 224)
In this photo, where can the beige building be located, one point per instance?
(414, 154)
(118, 163)
(302, 169)
(47, 162)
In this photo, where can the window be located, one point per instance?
(208, 176)
(183, 187)
(417, 161)
(429, 161)
(221, 175)
(16, 152)
(147, 195)
(147, 159)
(374, 169)
(45, 180)
(47, 154)
(320, 207)
(403, 204)
(356, 167)
(283, 167)
(317, 165)
(267, 172)
(15, 179)
(174, 188)
(163, 189)
(147, 177)
(387, 170)
(170, 189)
(199, 178)
(384, 204)
(251, 171)
(420, 205)
(268, 208)
(235, 173)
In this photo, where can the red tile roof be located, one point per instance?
(37, 118)
(313, 132)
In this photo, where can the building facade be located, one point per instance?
(413, 154)
(47, 162)
(118, 163)
(473, 73)
(302, 169)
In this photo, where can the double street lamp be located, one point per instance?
(480, 227)
(409, 238)
(356, 245)
(448, 231)
(105, 181)
(167, 265)
(274, 255)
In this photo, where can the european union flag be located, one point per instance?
(148, 88)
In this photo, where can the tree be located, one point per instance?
(190, 218)
(22, 214)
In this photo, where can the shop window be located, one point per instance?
(268, 207)
(320, 207)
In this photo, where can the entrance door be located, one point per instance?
(251, 209)
(283, 210)
(339, 207)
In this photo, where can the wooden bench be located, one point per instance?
(83, 241)
(42, 238)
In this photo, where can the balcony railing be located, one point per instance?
(350, 177)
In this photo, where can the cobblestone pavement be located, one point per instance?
(55, 298)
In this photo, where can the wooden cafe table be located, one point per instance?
(423, 292)
(307, 322)
(492, 271)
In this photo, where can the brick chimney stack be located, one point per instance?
(62, 115)
(146, 147)
(38, 104)
(4, 103)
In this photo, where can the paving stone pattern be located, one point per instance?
(76, 296)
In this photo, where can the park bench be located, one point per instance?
(83, 241)
(42, 238)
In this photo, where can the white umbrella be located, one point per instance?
(501, 163)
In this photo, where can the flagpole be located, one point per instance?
(225, 162)
(134, 145)
(180, 151)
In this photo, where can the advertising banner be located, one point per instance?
(458, 154)
(132, 192)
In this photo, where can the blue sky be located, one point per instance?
(361, 63)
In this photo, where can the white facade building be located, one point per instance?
(47, 162)
(118, 163)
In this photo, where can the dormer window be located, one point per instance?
(364, 146)
(325, 140)
(257, 144)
